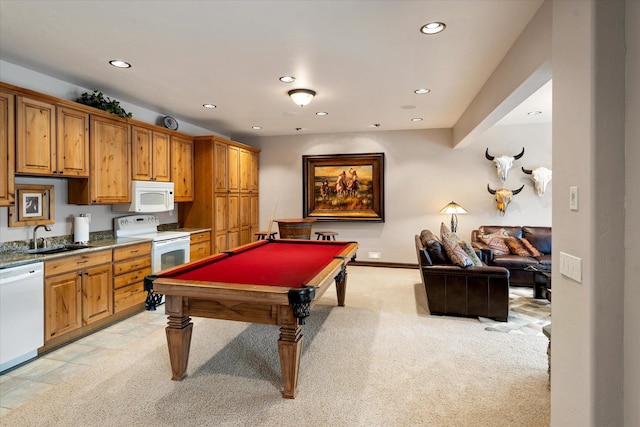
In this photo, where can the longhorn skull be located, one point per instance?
(503, 197)
(541, 177)
(503, 163)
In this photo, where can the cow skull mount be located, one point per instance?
(503, 163)
(541, 177)
(503, 197)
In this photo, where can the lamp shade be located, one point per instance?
(453, 208)
(302, 96)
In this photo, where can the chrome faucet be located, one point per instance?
(35, 240)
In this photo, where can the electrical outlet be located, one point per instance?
(375, 255)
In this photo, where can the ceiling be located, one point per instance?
(363, 58)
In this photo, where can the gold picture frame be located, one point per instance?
(344, 187)
(35, 205)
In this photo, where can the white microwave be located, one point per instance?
(147, 197)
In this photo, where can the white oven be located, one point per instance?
(168, 248)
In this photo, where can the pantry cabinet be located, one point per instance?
(182, 174)
(226, 192)
(150, 154)
(7, 148)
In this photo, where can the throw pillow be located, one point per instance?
(516, 247)
(457, 255)
(532, 249)
(437, 253)
(469, 250)
(495, 241)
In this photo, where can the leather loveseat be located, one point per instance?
(517, 264)
(460, 291)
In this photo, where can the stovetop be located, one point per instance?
(144, 226)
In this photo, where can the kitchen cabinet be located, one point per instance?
(130, 265)
(7, 148)
(182, 173)
(110, 178)
(78, 292)
(226, 192)
(51, 139)
(200, 245)
(150, 154)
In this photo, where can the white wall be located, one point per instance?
(422, 174)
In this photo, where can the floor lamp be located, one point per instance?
(453, 208)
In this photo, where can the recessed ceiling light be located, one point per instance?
(298, 129)
(416, 119)
(321, 113)
(432, 28)
(209, 106)
(287, 79)
(376, 125)
(534, 113)
(119, 63)
(422, 91)
(256, 127)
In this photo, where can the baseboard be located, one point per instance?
(384, 264)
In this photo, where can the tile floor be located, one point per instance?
(23, 383)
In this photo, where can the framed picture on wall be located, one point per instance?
(343, 187)
(34, 205)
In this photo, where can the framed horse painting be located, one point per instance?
(343, 187)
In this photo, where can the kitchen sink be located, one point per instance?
(56, 249)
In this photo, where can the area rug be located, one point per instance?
(527, 315)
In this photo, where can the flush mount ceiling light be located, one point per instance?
(119, 63)
(433, 28)
(287, 79)
(209, 106)
(302, 96)
(421, 91)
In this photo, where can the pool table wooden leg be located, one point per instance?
(289, 348)
(341, 286)
(178, 337)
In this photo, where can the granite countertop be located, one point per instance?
(15, 258)
(193, 230)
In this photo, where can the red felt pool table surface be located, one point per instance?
(286, 263)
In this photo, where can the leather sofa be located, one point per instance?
(457, 291)
(539, 237)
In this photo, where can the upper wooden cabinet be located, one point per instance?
(51, 140)
(150, 154)
(182, 168)
(110, 180)
(7, 147)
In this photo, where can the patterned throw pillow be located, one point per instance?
(457, 255)
(515, 247)
(495, 241)
(466, 246)
(532, 249)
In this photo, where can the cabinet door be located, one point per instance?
(111, 179)
(35, 137)
(253, 173)
(220, 167)
(233, 169)
(73, 143)
(141, 152)
(161, 157)
(97, 294)
(221, 223)
(7, 147)
(182, 168)
(63, 304)
(245, 170)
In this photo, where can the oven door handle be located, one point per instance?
(172, 241)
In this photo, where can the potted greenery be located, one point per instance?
(98, 100)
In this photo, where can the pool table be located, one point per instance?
(273, 282)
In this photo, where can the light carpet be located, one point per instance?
(527, 315)
(380, 361)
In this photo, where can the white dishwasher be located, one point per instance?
(21, 313)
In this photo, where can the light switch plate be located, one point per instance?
(573, 198)
(571, 266)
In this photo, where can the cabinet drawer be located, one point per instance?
(131, 251)
(199, 250)
(205, 236)
(131, 265)
(129, 278)
(129, 296)
(76, 262)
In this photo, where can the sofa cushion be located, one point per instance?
(521, 247)
(456, 254)
(495, 241)
(436, 251)
(532, 249)
(540, 237)
(514, 261)
(509, 230)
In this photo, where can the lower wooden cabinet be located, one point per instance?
(130, 265)
(200, 245)
(78, 292)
